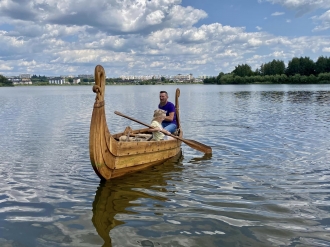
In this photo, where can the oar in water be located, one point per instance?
(191, 143)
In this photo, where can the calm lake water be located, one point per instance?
(267, 182)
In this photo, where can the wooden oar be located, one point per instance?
(191, 143)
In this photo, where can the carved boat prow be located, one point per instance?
(113, 158)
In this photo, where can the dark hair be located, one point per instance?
(163, 92)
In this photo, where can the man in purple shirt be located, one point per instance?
(169, 122)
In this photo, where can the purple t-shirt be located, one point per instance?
(169, 107)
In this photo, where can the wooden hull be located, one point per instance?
(111, 158)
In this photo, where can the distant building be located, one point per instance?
(140, 77)
(182, 78)
(67, 76)
(86, 76)
(56, 80)
(18, 81)
(11, 76)
(25, 76)
(76, 80)
(198, 80)
(202, 77)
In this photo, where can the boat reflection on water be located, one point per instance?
(117, 196)
(199, 159)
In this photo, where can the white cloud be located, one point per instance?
(156, 64)
(255, 42)
(301, 6)
(3, 66)
(200, 61)
(134, 36)
(324, 20)
(123, 16)
(155, 17)
(277, 13)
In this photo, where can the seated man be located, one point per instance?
(169, 122)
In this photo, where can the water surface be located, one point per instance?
(267, 182)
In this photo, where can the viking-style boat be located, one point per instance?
(112, 155)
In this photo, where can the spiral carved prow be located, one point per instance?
(99, 87)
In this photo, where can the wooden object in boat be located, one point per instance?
(112, 158)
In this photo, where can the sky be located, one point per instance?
(158, 37)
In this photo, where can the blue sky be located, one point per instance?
(158, 37)
(250, 14)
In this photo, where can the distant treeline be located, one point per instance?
(299, 70)
(4, 82)
(39, 80)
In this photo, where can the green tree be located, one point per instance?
(322, 65)
(276, 79)
(219, 76)
(4, 81)
(324, 77)
(293, 67)
(243, 70)
(210, 80)
(238, 80)
(261, 70)
(312, 79)
(257, 79)
(284, 78)
(267, 79)
(275, 67)
(295, 78)
(307, 66)
(227, 79)
(302, 66)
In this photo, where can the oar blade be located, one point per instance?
(198, 146)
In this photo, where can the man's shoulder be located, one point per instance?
(169, 105)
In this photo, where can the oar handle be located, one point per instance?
(151, 127)
(120, 114)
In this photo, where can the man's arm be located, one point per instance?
(170, 117)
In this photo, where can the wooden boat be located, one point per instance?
(112, 158)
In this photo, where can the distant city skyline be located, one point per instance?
(160, 37)
(147, 77)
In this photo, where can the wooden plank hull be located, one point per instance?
(111, 158)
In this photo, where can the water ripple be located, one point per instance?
(266, 183)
